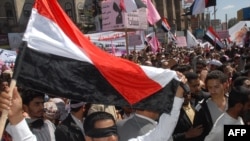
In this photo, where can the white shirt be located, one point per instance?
(46, 132)
(217, 132)
(21, 132)
(146, 118)
(163, 130)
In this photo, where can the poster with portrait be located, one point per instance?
(116, 18)
(238, 32)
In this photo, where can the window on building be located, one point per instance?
(69, 9)
(10, 13)
(27, 9)
(9, 10)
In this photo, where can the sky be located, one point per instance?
(229, 7)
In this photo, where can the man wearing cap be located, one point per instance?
(71, 129)
(214, 64)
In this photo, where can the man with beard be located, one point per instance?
(33, 105)
(238, 104)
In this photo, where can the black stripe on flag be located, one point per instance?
(79, 80)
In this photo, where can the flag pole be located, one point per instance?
(214, 17)
(18, 64)
(126, 39)
(215, 25)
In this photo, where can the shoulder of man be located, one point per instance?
(61, 128)
(201, 103)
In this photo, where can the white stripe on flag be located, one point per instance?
(44, 35)
(166, 26)
(199, 7)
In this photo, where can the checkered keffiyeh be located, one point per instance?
(51, 110)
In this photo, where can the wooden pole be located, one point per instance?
(226, 21)
(214, 18)
(126, 39)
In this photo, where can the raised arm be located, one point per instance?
(167, 122)
(17, 127)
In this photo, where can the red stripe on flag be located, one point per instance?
(206, 2)
(211, 29)
(209, 3)
(166, 24)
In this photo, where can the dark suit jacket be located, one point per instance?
(133, 127)
(203, 116)
(200, 96)
(182, 126)
(68, 131)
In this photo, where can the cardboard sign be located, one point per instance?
(223, 34)
(109, 38)
(181, 41)
(134, 40)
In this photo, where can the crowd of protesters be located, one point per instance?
(219, 82)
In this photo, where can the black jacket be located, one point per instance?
(203, 117)
(68, 131)
(196, 98)
(183, 125)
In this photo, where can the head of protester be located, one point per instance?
(100, 126)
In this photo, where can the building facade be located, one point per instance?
(14, 14)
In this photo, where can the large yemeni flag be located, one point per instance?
(60, 60)
(198, 6)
